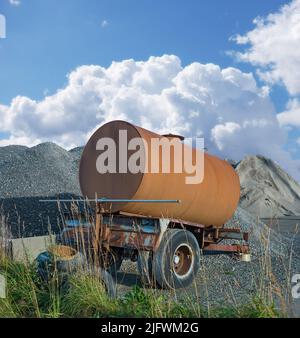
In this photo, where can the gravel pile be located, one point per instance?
(30, 174)
(266, 189)
(28, 216)
(76, 152)
(11, 153)
(43, 170)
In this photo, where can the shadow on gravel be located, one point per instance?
(128, 279)
(27, 216)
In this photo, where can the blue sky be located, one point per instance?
(49, 39)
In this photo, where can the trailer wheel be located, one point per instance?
(111, 261)
(145, 268)
(103, 277)
(177, 260)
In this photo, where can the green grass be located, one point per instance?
(86, 297)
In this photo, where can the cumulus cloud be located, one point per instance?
(225, 106)
(290, 117)
(274, 46)
(221, 133)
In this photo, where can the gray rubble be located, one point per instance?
(266, 189)
(43, 170)
(28, 175)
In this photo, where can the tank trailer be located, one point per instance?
(155, 218)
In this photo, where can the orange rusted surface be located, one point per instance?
(211, 202)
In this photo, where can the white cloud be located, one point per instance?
(226, 106)
(274, 47)
(222, 132)
(104, 23)
(15, 2)
(290, 117)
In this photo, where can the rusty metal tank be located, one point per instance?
(211, 202)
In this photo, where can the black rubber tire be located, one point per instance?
(47, 264)
(113, 263)
(104, 277)
(163, 260)
(145, 268)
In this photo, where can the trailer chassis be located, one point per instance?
(209, 238)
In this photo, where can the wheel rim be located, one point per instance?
(183, 260)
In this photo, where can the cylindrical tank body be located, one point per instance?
(211, 202)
